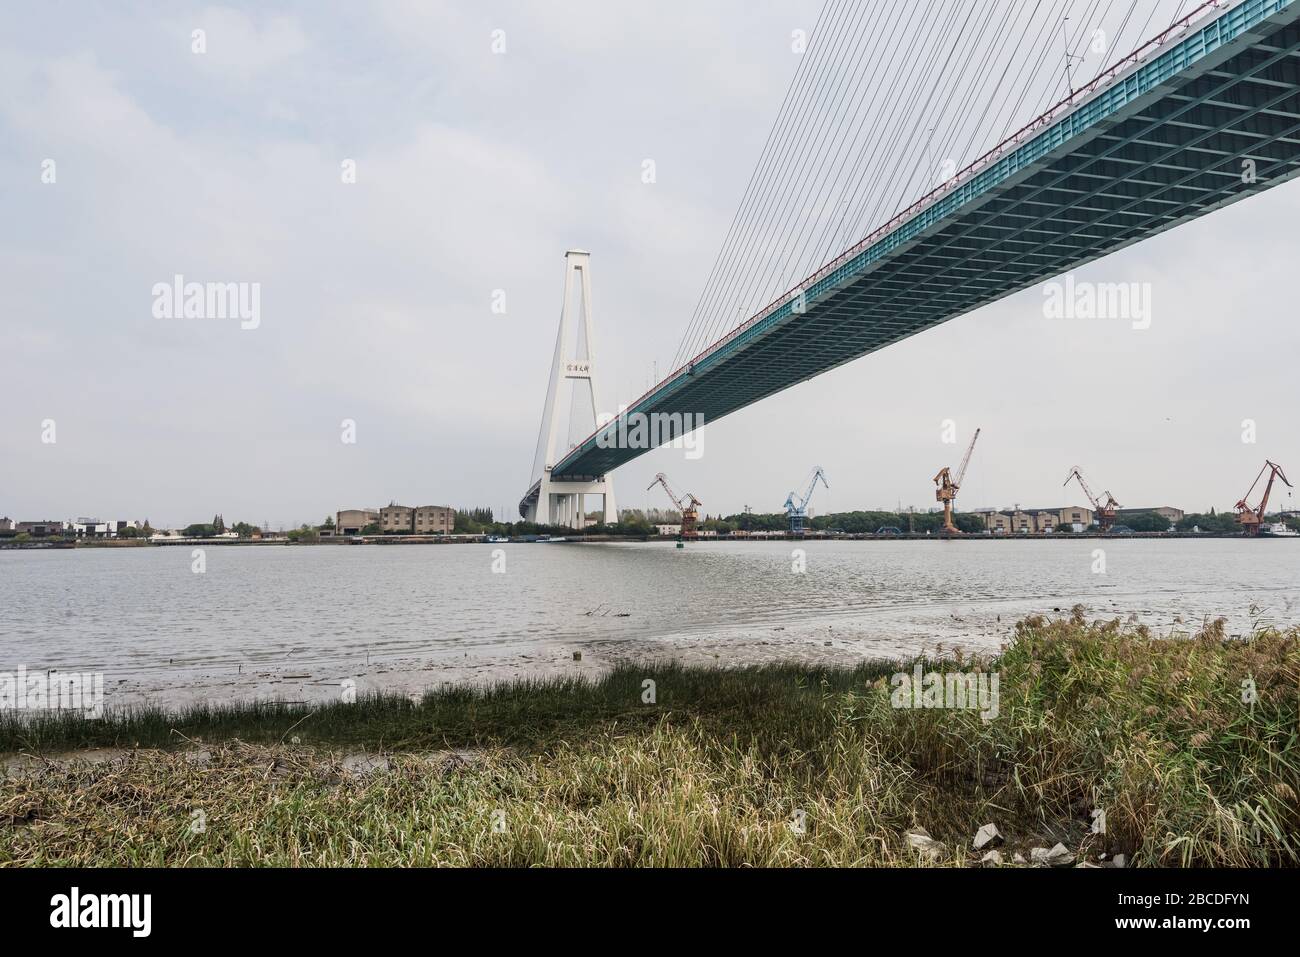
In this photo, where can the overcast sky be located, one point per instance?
(475, 171)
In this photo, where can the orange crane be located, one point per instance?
(1105, 511)
(687, 504)
(948, 488)
(1250, 519)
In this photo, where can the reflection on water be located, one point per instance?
(143, 615)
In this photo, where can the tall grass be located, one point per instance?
(774, 765)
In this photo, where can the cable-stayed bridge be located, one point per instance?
(1205, 114)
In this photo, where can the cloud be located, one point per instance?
(239, 47)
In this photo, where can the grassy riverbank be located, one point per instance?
(767, 766)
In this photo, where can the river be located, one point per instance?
(298, 622)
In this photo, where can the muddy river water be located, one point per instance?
(298, 622)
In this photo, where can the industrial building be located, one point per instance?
(352, 521)
(434, 520)
(42, 528)
(397, 519)
(86, 527)
(1175, 515)
(1028, 521)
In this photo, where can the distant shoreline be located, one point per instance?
(614, 539)
(44, 545)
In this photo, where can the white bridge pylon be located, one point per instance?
(552, 502)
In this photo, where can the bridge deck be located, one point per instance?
(1158, 144)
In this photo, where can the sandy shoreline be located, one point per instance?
(823, 641)
(834, 643)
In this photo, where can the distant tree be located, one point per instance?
(305, 535)
(147, 529)
(129, 532)
(1147, 522)
(1210, 523)
(372, 529)
(243, 529)
(327, 524)
(633, 524)
(199, 531)
(219, 524)
(756, 522)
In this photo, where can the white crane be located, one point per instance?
(797, 508)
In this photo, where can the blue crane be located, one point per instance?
(797, 508)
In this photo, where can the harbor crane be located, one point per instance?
(797, 507)
(687, 504)
(1250, 519)
(948, 487)
(1105, 511)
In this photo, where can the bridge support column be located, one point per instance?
(564, 503)
(554, 501)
